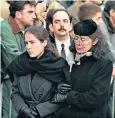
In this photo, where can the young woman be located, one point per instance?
(38, 72)
(90, 75)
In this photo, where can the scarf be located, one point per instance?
(79, 56)
(71, 60)
(48, 66)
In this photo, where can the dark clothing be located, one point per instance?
(48, 65)
(41, 77)
(90, 83)
(36, 93)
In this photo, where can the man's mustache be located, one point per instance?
(62, 29)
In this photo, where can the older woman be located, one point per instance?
(90, 75)
(38, 71)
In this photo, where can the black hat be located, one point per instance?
(87, 28)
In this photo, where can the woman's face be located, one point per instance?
(83, 43)
(33, 45)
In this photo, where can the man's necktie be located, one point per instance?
(63, 51)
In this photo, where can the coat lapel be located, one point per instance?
(25, 84)
(37, 81)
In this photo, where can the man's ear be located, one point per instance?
(18, 14)
(51, 27)
(95, 41)
(112, 12)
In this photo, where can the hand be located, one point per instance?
(26, 113)
(64, 88)
(58, 98)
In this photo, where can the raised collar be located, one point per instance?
(14, 25)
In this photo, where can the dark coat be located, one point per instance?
(90, 87)
(36, 81)
(33, 92)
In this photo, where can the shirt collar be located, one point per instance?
(14, 25)
(66, 43)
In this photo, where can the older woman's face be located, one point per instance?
(83, 43)
(33, 45)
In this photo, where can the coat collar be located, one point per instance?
(14, 25)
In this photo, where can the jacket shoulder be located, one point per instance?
(105, 62)
(5, 24)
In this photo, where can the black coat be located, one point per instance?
(33, 91)
(90, 87)
(36, 80)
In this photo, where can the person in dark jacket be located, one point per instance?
(39, 76)
(90, 75)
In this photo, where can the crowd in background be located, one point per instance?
(57, 59)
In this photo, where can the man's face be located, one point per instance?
(98, 18)
(27, 15)
(61, 24)
(112, 17)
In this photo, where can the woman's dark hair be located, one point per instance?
(18, 6)
(41, 34)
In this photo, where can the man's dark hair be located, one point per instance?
(109, 5)
(18, 6)
(49, 14)
(55, 11)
